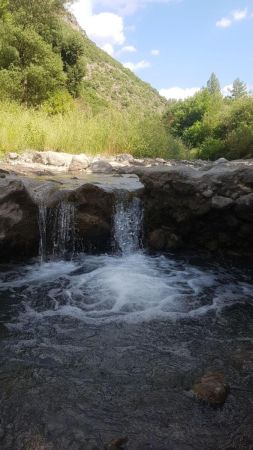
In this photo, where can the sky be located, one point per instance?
(174, 44)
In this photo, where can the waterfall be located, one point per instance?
(128, 224)
(57, 231)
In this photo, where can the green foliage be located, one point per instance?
(213, 85)
(213, 126)
(239, 89)
(60, 102)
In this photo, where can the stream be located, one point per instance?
(94, 347)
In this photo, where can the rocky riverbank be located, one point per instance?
(190, 205)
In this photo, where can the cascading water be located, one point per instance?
(128, 224)
(57, 231)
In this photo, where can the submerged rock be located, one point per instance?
(117, 444)
(212, 389)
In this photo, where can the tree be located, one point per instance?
(3, 8)
(213, 85)
(239, 89)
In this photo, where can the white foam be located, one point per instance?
(132, 288)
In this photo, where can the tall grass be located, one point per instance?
(109, 132)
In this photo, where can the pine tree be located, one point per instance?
(213, 85)
(239, 89)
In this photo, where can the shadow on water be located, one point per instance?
(103, 346)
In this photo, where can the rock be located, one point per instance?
(79, 163)
(212, 389)
(201, 209)
(94, 211)
(4, 332)
(2, 433)
(13, 156)
(208, 193)
(117, 444)
(53, 158)
(160, 161)
(244, 207)
(220, 161)
(219, 202)
(19, 234)
(101, 167)
(138, 162)
(164, 239)
(124, 158)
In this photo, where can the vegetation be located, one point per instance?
(59, 91)
(213, 126)
(77, 132)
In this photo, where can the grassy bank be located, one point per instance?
(108, 133)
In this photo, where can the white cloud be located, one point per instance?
(106, 29)
(128, 49)
(240, 14)
(178, 93)
(224, 23)
(155, 52)
(226, 90)
(108, 48)
(234, 16)
(124, 7)
(134, 67)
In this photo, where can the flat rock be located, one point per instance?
(101, 166)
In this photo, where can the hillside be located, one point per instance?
(111, 82)
(108, 83)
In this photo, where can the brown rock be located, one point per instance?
(117, 444)
(212, 389)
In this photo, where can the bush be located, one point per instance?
(60, 102)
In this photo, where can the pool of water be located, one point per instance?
(104, 346)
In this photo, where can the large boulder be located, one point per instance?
(19, 233)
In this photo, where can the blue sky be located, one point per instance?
(174, 44)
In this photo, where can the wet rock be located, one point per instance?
(2, 433)
(219, 202)
(202, 209)
(212, 389)
(4, 332)
(101, 167)
(79, 163)
(244, 207)
(19, 234)
(164, 239)
(117, 444)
